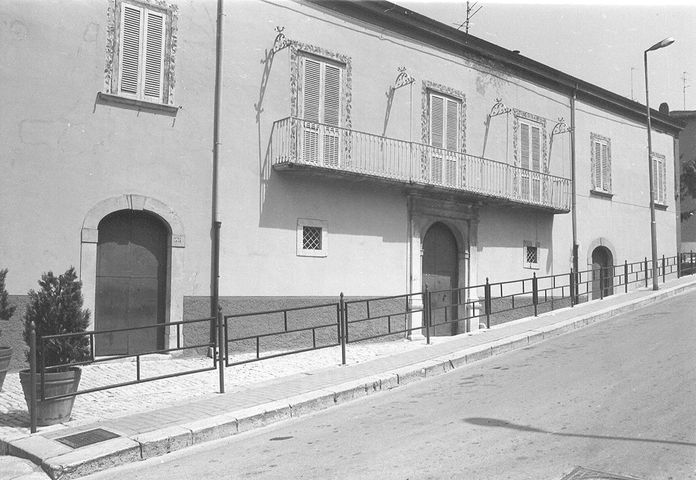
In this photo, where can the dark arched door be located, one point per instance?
(440, 275)
(131, 282)
(602, 272)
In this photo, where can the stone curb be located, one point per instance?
(62, 463)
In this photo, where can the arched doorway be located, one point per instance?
(602, 272)
(131, 281)
(440, 275)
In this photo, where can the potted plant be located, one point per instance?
(56, 308)
(6, 311)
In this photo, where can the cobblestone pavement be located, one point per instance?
(117, 402)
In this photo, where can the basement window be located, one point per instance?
(312, 237)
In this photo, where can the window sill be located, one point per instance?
(660, 206)
(139, 105)
(601, 194)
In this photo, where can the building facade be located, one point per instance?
(365, 149)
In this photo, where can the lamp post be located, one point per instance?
(653, 232)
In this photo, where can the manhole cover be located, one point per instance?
(581, 473)
(89, 437)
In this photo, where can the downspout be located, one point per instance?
(215, 268)
(573, 187)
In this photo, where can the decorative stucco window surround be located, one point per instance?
(659, 179)
(312, 237)
(428, 88)
(297, 51)
(600, 164)
(522, 117)
(113, 94)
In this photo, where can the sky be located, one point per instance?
(599, 42)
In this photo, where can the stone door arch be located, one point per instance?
(175, 244)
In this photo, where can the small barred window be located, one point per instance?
(311, 238)
(531, 254)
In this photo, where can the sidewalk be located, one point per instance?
(155, 418)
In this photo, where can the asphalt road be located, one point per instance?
(617, 397)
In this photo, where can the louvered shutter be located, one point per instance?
(437, 121)
(606, 169)
(524, 145)
(664, 182)
(524, 159)
(452, 123)
(332, 114)
(597, 167)
(332, 96)
(311, 90)
(536, 162)
(654, 179)
(154, 55)
(131, 26)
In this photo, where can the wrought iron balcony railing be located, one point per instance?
(297, 142)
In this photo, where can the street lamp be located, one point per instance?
(653, 233)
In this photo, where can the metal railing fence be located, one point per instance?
(306, 328)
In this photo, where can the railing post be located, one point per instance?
(646, 272)
(664, 270)
(601, 283)
(342, 327)
(679, 257)
(572, 288)
(535, 293)
(625, 276)
(222, 342)
(427, 314)
(32, 377)
(487, 303)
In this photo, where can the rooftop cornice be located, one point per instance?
(400, 20)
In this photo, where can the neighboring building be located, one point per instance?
(366, 149)
(687, 155)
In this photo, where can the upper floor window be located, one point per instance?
(530, 151)
(444, 121)
(600, 163)
(530, 159)
(321, 96)
(443, 130)
(659, 179)
(140, 50)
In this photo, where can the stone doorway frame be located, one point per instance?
(462, 220)
(175, 255)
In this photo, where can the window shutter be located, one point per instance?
(597, 180)
(606, 170)
(663, 181)
(332, 95)
(654, 180)
(154, 55)
(436, 121)
(130, 49)
(312, 90)
(524, 146)
(452, 125)
(536, 148)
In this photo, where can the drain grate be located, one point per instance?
(89, 437)
(582, 473)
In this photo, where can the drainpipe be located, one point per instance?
(215, 268)
(573, 207)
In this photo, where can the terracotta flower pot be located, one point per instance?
(50, 412)
(5, 357)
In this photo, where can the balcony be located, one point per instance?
(301, 144)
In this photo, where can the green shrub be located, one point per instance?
(55, 309)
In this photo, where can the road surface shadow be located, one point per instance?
(494, 422)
